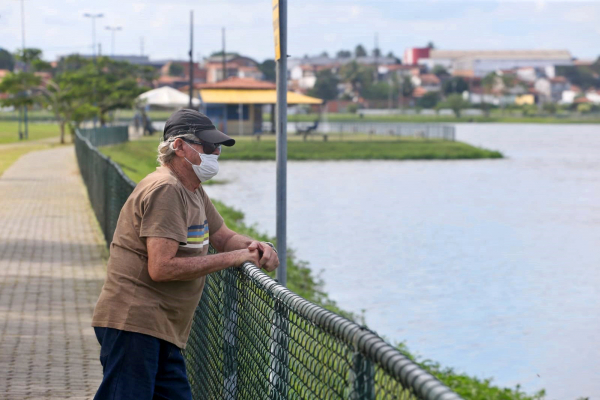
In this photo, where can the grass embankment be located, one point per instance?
(11, 148)
(338, 147)
(495, 116)
(138, 159)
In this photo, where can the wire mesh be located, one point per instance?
(251, 338)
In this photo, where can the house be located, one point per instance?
(551, 89)
(235, 66)
(236, 105)
(428, 82)
(593, 96)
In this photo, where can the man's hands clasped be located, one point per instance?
(261, 255)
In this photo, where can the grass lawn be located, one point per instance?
(9, 131)
(137, 158)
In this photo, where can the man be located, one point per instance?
(158, 264)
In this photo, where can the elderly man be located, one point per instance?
(158, 264)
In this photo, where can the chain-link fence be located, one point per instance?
(108, 187)
(106, 136)
(252, 338)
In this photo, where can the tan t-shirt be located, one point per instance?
(160, 206)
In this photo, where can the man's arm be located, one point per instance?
(225, 240)
(163, 266)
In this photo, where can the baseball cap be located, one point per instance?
(187, 121)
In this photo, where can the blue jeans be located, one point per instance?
(138, 366)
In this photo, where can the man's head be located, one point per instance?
(187, 137)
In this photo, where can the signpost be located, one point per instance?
(280, 35)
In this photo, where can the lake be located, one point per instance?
(488, 266)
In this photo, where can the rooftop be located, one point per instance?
(503, 54)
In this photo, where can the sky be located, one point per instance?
(58, 27)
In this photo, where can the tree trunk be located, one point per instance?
(62, 132)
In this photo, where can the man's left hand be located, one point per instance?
(269, 259)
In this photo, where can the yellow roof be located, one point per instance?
(244, 96)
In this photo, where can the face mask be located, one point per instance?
(208, 168)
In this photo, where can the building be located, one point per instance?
(479, 63)
(236, 66)
(302, 72)
(236, 105)
(412, 55)
(428, 82)
(551, 89)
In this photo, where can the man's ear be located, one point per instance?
(177, 144)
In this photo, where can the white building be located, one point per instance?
(480, 63)
(552, 88)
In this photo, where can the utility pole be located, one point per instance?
(281, 158)
(191, 57)
(112, 30)
(93, 17)
(224, 56)
(376, 55)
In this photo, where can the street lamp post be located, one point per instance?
(93, 17)
(112, 30)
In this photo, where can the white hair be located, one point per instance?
(166, 151)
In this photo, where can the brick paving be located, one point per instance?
(51, 272)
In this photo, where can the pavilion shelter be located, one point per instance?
(236, 105)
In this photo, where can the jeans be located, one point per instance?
(138, 366)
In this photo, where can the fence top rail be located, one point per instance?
(408, 373)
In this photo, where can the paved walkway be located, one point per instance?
(51, 272)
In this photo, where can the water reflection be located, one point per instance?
(489, 266)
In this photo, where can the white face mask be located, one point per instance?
(209, 166)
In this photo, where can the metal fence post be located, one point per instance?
(279, 368)
(363, 378)
(230, 333)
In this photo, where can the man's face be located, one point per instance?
(192, 150)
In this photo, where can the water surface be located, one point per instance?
(488, 266)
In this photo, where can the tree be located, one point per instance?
(29, 55)
(456, 103)
(376, 53)
(488, 82)
(7, 61)
(455, 85)
(430, 45)
(359, 76)
(326, 85)
(407, 87)
(379, 91)
(550, 108)
(267, 67)
(344, 54)
(324, 54)
(175, 69)
(360, 51)
(439, 71)
(429, 100)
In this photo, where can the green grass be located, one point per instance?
(9, 131)
(356, 147)
(495, 116)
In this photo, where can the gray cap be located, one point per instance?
(187, 121)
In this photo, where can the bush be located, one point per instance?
(352, 108)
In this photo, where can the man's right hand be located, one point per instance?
(247, 255)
